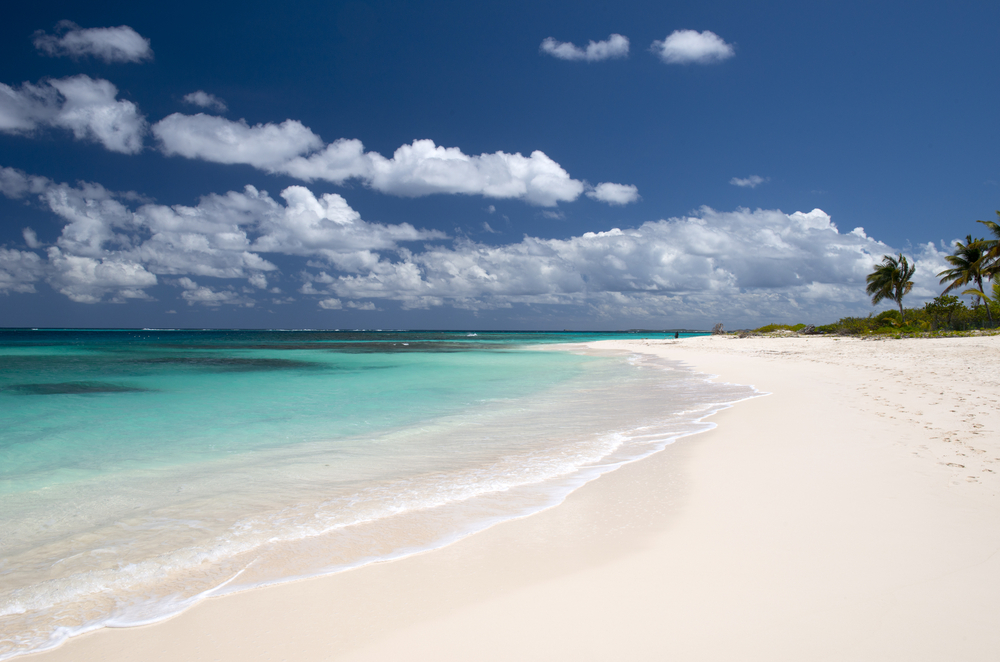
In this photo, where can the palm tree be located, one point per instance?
(968, 262)
(891, 280)
(991, 268)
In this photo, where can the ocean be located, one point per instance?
(144, 470)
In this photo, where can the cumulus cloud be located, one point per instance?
(217, 139)
(614, 194)
(747, 267)
(203, 99)
(615, 46)
(693, 47)
(423, 168)
(330, 304)
(417, 169)
(120, 44)
(695, 267)
(30, 238)
(19, 270)
(194, 293)
(361, 305)
(86, 280)
(87, 107)
(108, 251)
(753, 181)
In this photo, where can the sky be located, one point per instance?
(495, 165)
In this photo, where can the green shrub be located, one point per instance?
(889, 317)
(942, 315)
(770, 328)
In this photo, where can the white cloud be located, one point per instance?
(696, 268)
(693, 47)
(614, 194)
(120, 44)
(86, 279)
(339, 161)
(30, 238)
(423, 168)
(87, 107)
(745, 267)
(328, 227)
(217, 139)
(753, 181)
(194, 293)
(19, 270)
(616, 46)
(417, 169)
(107, 249)
(15, 184)
(203, 99)
(357, 305)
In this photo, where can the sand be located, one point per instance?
(851, 514)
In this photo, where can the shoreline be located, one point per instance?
(670, 549)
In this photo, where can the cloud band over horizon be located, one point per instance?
(692, 267)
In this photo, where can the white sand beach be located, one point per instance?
(851, 514)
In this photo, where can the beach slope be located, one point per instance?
(851, 513)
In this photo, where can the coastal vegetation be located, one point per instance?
(891, 280)
(969, 264)
(974, 262)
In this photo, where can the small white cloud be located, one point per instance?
(120, 44)
(87, 107)
(693, 47)
(753, 181)
(491, 209)
(194, 293)
(259, 281)
(614, 194)
(488, 228)
(203, 99)
(217, 139)
(554, 215)
(367, 305)
(615, 46)
(30, 238)
(330, 304)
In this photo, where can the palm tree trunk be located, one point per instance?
(986, 301)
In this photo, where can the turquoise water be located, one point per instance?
(141, 471)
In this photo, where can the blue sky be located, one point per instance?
(475, 165)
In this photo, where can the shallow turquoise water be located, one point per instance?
(104, 403)
(142, 470)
